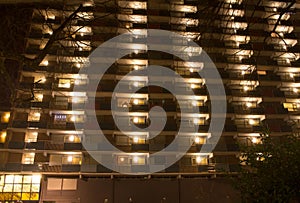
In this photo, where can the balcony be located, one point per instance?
(70, 168)
(140, 147)
(72, 146)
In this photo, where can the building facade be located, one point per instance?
(254, 45)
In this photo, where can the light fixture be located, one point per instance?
(39, 97)
(42, 80)
(254, 140)
(191, 70)
(135, 120)
(45, 63)
(122, 159)
(136, 84)
(71, 138)
(295, 90)
(70, 158)
(194, 103)
(243, 72)
(78, 65)
(135, 67)
(251, 121)
(36, 114)
(3, 135)
(198, 159)
(135, 159)
(291, 75)
(75, 100)
(6, 115)
(248, 104)
(246, 88)
(193, 86)
(197, 140)
(135, 101)
(196, 121)
(73, 118)
(135, 139)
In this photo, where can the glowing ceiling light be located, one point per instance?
(198, 159)
(3, 134)
(39, 97)
(45, 63)
(42, 80)
(136, 119)
(254, 140)
(135, 67)
(136, 101)
(73, 118)
(251, 122)
(194, 103)
(243, 72)
(196, 121)
(135, 159)
(136, 84)
(122, 159)
(291, 75)
(72, 138)
(197, 140)
(191, 70)
(70, 158)
(295, 90)
(78, 65)
(246, 88)
(37, 114)
(248, 104)
(6, 115)
(135, 139)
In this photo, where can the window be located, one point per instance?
(61, 184)
(38, 98)
(3, 136)
(122, 140)
(19, 187)
(71, 159)
(5, 117)
(199, 160)
(138, 140)
(123, 160)
(291, 106)
(28, 158)
(60, 119)
(72, 139)
(138, 160)
(138, 120)
(34, 116)
(61, 101)
(31, 137)
(64, 83)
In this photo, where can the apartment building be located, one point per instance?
(254, 45)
